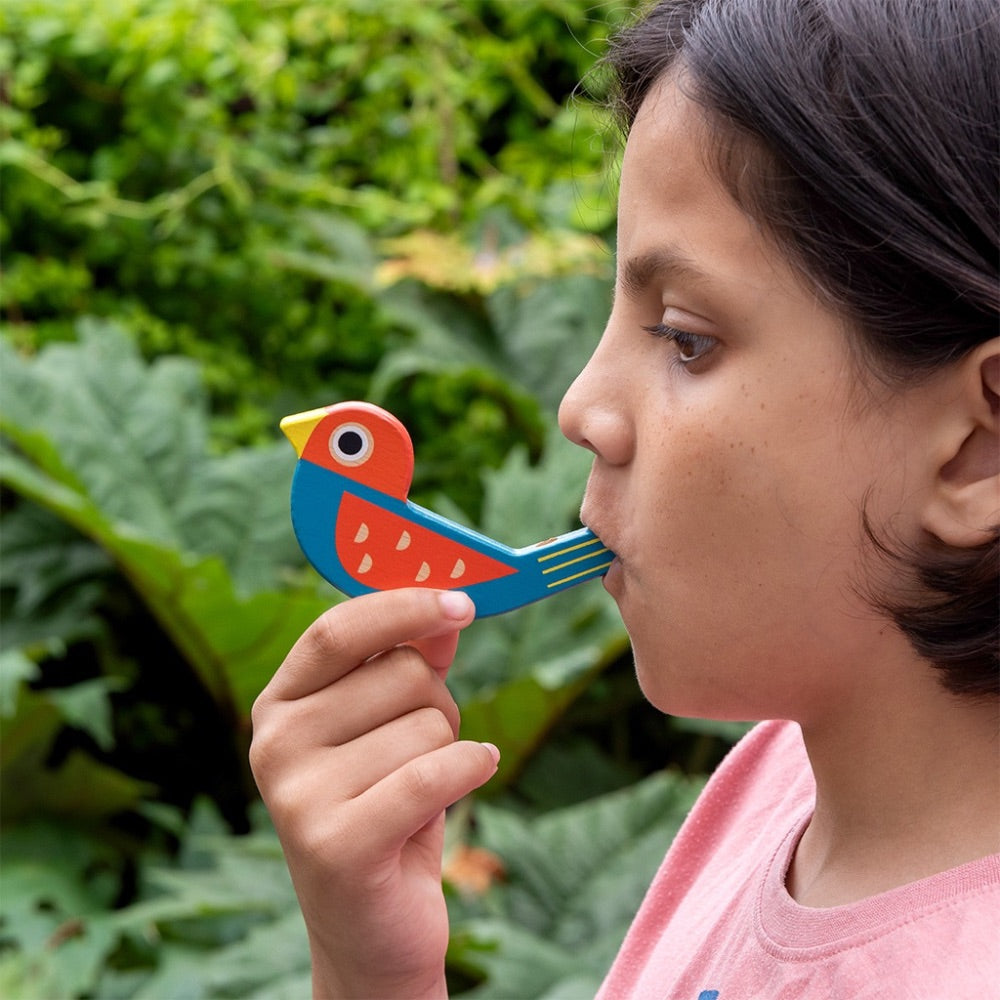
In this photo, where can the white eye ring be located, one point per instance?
(351, 444)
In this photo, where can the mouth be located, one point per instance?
(603, 540)
(613, 549)
(594, 523)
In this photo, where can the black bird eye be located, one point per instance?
(351, 444)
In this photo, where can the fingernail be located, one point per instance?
(457, 604)
(494, 751)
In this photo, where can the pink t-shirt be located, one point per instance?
(718, 924)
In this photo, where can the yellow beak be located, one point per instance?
(298, 427)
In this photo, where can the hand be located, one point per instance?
(356, 754)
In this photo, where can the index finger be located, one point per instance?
(356, 630)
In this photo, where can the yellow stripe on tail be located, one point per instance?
(594, 550)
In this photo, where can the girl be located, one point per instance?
(793, 413)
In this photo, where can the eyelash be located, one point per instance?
(691, 347)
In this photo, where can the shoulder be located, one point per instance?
(932, 938)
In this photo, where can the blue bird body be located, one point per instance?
(358, 529)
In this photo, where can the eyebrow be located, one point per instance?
(637, 273)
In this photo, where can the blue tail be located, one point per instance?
(573, 558)
(547, 568)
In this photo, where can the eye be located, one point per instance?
(691, 347)
(351, 444)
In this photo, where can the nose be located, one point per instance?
(594, 410)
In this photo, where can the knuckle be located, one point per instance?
(328, 638)
(410, 672)
(262, 748)
(259, 765)
(421, 779)
(282, 795)
(260, 713)
(452, 713)
(433, 727)
(267, 764)
(283, 803)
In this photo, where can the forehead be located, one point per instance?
(675, 214)
(668, 123)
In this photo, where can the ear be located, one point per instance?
(963, 508)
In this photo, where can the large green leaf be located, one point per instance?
(54, 934)
(574, 879)
(221, 922)
(75, 786)
(549, 329)
(226, 918)
(540, 334)
(53, 580)
(117, 450)
(131, 440)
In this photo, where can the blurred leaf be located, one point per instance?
(77, 465)
(549, 329)
(78, 786)
(574, 879)
(447, 262)
(15, 668)
(222, 924)
(232, 899)
(132, 439)
(29, 729)
(87, 707)
(572, 769)
(541, 334)
(54, 935)
(52, 579)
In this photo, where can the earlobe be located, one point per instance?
(963, 509)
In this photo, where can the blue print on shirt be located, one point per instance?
(708, 995)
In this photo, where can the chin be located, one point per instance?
(681, 695)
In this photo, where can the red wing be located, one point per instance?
(385, 551)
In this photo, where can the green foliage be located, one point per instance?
(222, 921)
(217, 212)
(117, 450)
(220, 174)
(56, 931)
(574, 878)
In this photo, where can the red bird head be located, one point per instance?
(358, 440)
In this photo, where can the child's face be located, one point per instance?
(731, 465)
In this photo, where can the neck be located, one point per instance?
(902, 793)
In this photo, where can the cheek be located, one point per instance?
(712, 485)
(750, 559)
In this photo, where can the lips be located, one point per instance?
(613, 578)
(594, 526)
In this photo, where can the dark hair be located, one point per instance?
(863, 136)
